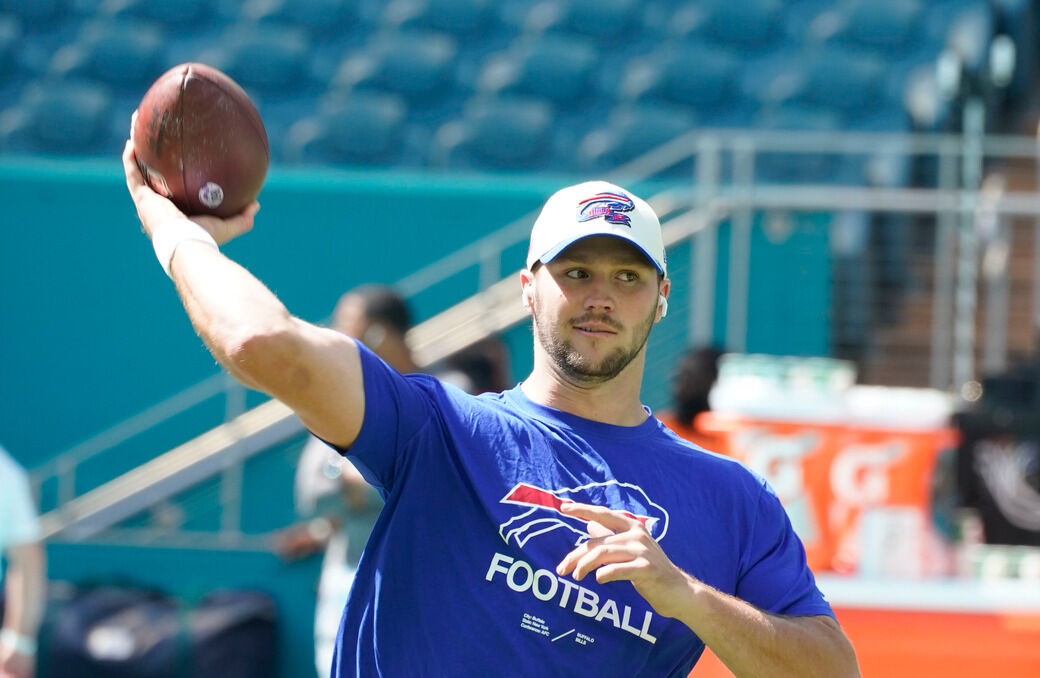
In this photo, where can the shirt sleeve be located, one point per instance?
(774, 575)
(396, 408)
(22, 522)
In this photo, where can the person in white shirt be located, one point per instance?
(24, 580)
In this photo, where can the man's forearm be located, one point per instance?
(754, 643)
(25, 589)
(230, 310)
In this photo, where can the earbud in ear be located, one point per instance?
(662, 303)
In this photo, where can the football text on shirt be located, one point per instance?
(546, 585)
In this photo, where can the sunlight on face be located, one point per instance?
(611, 280)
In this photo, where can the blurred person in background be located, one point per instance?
(338, 507)
(482, 367)
(695, 375)
(24, 579)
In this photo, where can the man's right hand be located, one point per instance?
(154, 209)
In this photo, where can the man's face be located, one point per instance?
(350, 318)
(593, 307)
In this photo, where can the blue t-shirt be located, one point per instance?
(458, 577)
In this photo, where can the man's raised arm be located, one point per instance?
(315, 371)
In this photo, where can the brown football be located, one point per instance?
(199, 141)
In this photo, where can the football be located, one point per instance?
(199, 141)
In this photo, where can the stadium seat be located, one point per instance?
(418, 65)
(883, 25)
(631, 131)
(10, 37)
(692, 75)
(613, 22)
(123, 53)
(35, 14)
(182, 14)
(841, 80)
(562, 70)
(809, 21)
(463, 19)
(65, 118)
(320, 18)
(771, 79)
(496, 133)
(272, 60)
(750, 24)
(365, 128)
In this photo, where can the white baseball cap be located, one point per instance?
(595, 208)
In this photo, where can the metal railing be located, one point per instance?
(692, 209)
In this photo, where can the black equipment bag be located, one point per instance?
(999, 457)
(125, 632)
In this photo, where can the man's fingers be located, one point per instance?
(599, 556)
(616, 521)
(571, 560)
(598, 529)
(130, 168)
(224, 230)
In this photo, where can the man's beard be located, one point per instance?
(575, 365)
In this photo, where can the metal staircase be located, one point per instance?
(723, 190)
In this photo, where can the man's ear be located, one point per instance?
(662, 299)
(527, 290)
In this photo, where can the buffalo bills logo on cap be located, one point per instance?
(610, 206)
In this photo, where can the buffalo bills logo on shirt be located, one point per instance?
(541, 509)
(610, 206)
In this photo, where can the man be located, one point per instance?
(21, 606)
(554, 529)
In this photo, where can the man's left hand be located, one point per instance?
(620, 548)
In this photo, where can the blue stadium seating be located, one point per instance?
(497, 133)
(321, 19)
(749, 24)
(690, 75)
(562, 70)
(126, 54)
(181, 14)
(464, 19)
(631, 131)
(720, 63)
(366, 128)
(883, 25)
(841, 80)
(35, 14)
(65, 118)
(418, 65)
(771, 80)
(613, 23)
(10, 37)
(273, 60)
